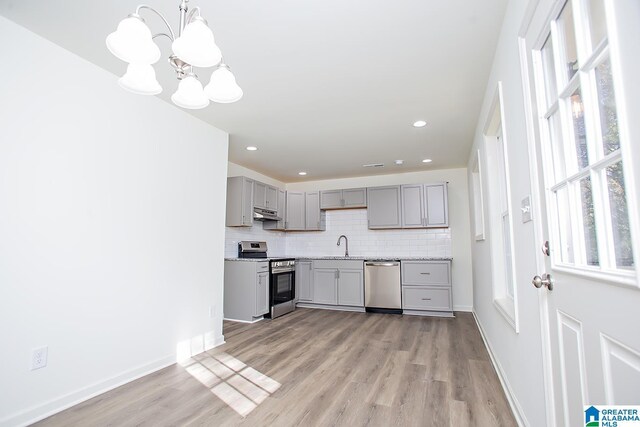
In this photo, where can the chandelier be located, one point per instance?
(195, 46)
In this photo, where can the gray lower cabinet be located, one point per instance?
(350, 287)
(304, 281)
(338, 282)
(427, 288)
(384, 206)
(325, 282)
(239, 202)
(246, 290)
(295, 211)
(347, 198)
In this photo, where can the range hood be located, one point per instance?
(260, 214)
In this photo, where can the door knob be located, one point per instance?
(545, 280)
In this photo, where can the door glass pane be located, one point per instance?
(589, 222)
(548, 66)
(566, 27)
(555, 139)
(597, 21)
(619, 216)
(564, 227)
(579, 131)
(607, 106)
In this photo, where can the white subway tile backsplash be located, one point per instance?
(353, 224)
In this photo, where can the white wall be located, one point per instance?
(111, 229)
(518, 355)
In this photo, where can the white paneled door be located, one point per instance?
(581, 70)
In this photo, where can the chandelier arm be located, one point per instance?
(162, 34)
(146, 6)
(192, 12)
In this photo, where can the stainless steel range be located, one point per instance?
(282, 277)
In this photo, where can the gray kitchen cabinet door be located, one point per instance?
(436, 197)
(239, 202)
(295, 210)
(259, 195)
(331, 199)
(282, 213)
(354, 198)
(325, 286)
(271, 199)
(384, 206)
(351, 287)
(314, 218)
(304, 281)
(262, 293)
(413, 215)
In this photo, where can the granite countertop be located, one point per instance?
(354, 258)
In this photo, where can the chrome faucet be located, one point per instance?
(346, 241)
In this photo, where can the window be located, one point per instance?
(478, 202)
(500, 216)
(581, 143)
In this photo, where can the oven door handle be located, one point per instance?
(284, 270)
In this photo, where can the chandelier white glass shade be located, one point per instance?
(140, 79)
(190, 94)
(132, 42)
(222, 87)
(195, 46)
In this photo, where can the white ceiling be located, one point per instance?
(329, 85)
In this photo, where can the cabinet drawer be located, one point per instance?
(422, 298)
(426, 273)
(262, 267)
(339, 264)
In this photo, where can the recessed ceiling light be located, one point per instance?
(419, 124)
(399, 162)
(427, 161)
(251, 148)
(302, 173)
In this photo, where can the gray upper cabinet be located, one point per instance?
(295, 210)
(271, 201)
(331, 199)
(325, 286)
(239, 202)
(437, 205)
(304, 281)
(350, 287)
(259, 195)
(282, 213)
(413, 213)
(314, 218)
(338, 199)
(354, 198)
(384, 206)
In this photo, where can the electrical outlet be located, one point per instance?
(39, 358)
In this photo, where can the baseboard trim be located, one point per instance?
(518, 413)
(331, 307)
(42, 411)
(244, 321)
(465, 308)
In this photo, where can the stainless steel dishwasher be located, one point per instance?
(382, 292)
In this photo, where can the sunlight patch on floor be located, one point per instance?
(232, 381)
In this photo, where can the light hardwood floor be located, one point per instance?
(318, 368)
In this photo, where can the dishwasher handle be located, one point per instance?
(382, 264)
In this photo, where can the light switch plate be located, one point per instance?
(525, 207)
